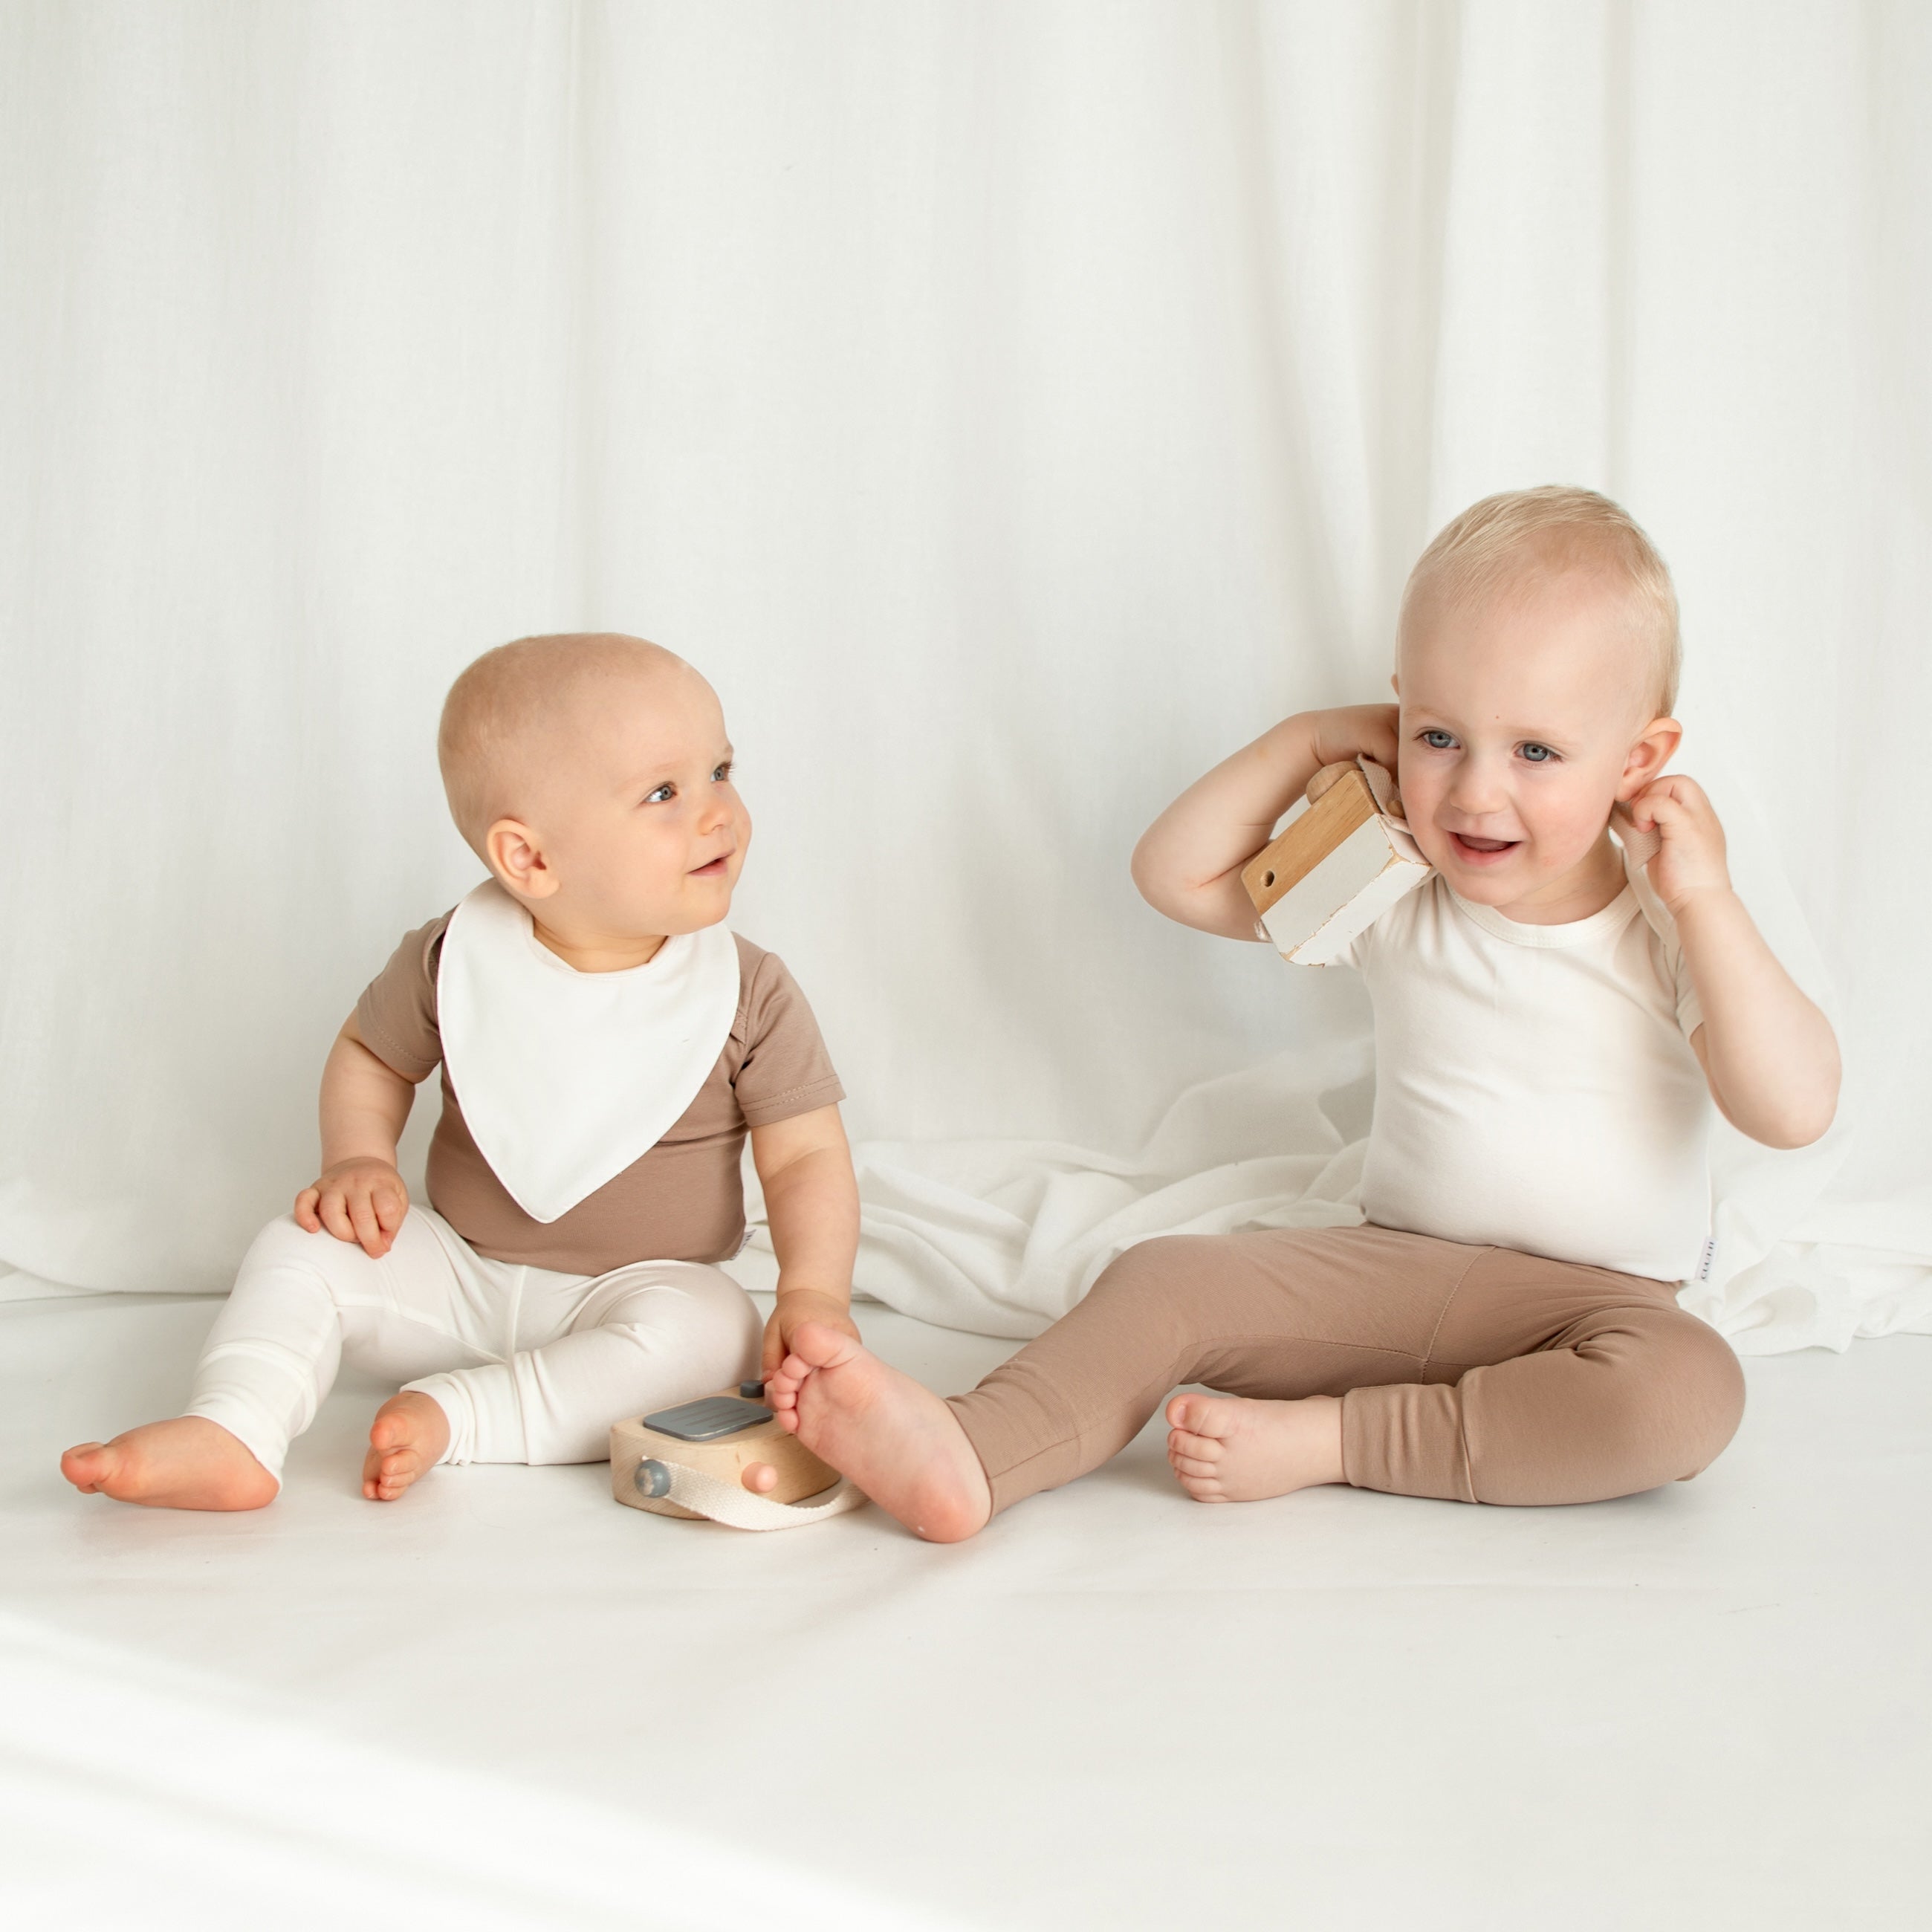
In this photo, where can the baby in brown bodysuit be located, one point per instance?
(606, 1046)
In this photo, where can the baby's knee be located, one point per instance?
(1151, 1272)
(1693, 1394)
(699, 1308)
(285, 1242)
(1149, 1299)
(1712, 1381)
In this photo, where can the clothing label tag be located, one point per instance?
(1704, 1266)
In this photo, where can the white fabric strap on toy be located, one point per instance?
(1382, 789)
(731, 1503)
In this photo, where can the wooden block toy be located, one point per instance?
(1335, 869)
(719, 1436)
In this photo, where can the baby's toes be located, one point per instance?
(1204, 1487)
(1199, 1448)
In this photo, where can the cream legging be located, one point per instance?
(529, 1366)
(1473, 1373)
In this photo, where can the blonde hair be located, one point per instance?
(1541, 534)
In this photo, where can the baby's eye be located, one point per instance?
(664, 794)
(1538, 754)
(1438, 741)
(722, 776)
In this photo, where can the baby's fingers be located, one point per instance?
(306, 1217)
(368, 1230)
(391, 1204)
(333, 1209)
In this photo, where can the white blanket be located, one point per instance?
(1003, 1236)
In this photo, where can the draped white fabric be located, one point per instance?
(1012, 408)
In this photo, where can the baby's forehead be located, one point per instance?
(1549, 633)
(634, 715)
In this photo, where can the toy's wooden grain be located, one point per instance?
(1278, 867)
(801, 1474)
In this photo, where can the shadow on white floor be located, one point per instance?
(507, 1701)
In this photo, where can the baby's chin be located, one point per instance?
(701, 903)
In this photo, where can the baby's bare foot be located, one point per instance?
(1227, 1449)
(408, 1437)
(895, 1439)
(186, 1462)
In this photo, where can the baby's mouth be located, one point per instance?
(712, 868)
(1467, 846)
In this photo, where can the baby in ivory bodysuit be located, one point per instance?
(606, 1044)
(1553, 1019)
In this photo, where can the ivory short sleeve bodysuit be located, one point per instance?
(1535, 1087)
(683, 1200)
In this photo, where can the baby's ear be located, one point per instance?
(511, 850)
(1654, 747)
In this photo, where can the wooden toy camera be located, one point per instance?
(1332, 872)
(719, 1436)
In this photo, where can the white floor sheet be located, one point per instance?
(507, 1703)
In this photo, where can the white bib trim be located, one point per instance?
(565, 1078)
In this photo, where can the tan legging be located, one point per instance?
(1476, 1374)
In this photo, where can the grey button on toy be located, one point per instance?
(752, 1391)
(708, 1418)
(653, 1478)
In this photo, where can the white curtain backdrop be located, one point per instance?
(1012, 408)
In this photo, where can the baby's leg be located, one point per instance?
(643, 1338)
(1550, 1383)
(268, 1361)
(1367, 1355)
(1172, 1310)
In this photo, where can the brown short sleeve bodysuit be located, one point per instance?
(682, 1201)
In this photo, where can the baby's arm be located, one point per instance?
(1188, 864)
(1769, 1055)
(811, 1202)
(365, 1102)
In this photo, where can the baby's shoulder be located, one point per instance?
(752, 958)
(417, 952)
(764, 987)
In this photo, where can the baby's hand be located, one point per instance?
(362, 1200)
(1329, 775)
(1352, 731)
(1692, 859)
(796, 1306)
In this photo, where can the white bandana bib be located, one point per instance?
(566, 1078)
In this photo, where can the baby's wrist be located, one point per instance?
(796, 1291)
(333, 1163)
(1699, 902)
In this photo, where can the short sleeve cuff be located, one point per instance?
(1689, 1013)
(411, 1065)
(773, 1108)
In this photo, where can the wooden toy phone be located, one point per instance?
(690, 1461)
(1332, 872)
